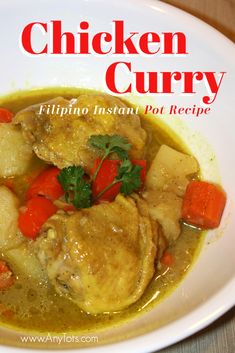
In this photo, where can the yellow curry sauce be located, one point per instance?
(36, 306)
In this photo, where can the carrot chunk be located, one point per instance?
(35, 213)
(203, 205)
(6, 276)
(5, 116)
(107, 174)
(167, 259)
(46, 184)
(8, 314)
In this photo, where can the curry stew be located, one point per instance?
(98, 257)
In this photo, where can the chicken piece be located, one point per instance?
(162, 244)
(63, 140)
(158, 236)
(165, 208)
(169, 171)
(102, 257)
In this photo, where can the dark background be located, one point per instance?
(218, 13)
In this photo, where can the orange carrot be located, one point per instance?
(8, 313)
(167, 259)
(34, 214)
(6, 276)
(5, 115)
(203, 205)
(46, 184)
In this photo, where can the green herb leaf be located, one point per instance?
(129, 175)
(111, 144)
(77, 190)
(121, 153)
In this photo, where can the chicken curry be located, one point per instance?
(101, 215)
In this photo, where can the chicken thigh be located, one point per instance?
(103, 257)
(63, 140)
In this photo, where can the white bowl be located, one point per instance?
(209, 288)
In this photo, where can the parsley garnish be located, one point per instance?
(129, 176)
(77, 190)
(109, 144)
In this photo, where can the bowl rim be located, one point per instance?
(215, 306)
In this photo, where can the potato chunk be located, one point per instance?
(170, 169)
(9, 237)
(166, 183)
(24, 262)
(16, 154)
